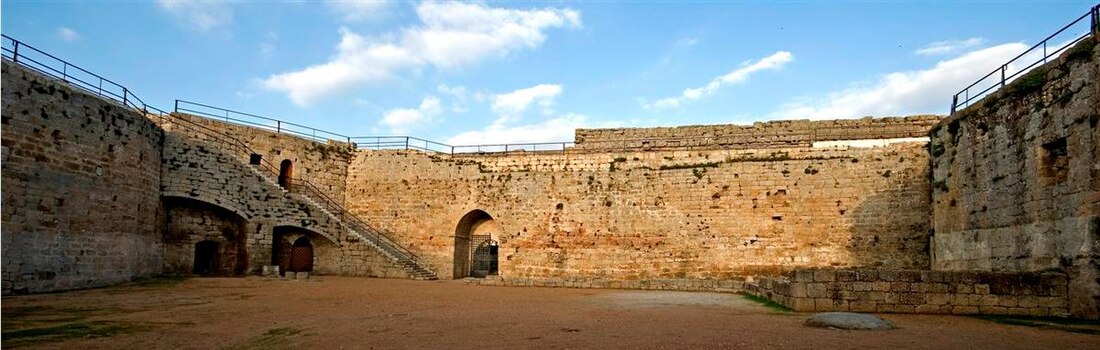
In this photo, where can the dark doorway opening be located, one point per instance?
(301, 256)
(206, 258)
(286, 173)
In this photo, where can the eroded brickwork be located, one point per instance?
(634, 216)
(783, 133)
(325, 165)
(81, 182)
(1015, 178)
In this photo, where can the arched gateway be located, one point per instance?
(476, 249)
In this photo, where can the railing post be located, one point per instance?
(406, 142)
(278, 126)
(1003, 74)
(1044, 52)
(15, 54)
(177, 109)
(124, 93)
(65, 72)
(954, 103)
(1096, 21)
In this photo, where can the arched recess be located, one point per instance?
(286, 173)
(476, 230)
(290, 244)
(195, 229)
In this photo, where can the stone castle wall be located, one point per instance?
(81, 181)
(1016, 181)
(784, 133)
(649, 216)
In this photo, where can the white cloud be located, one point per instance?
(402, 120)
(203, 15)
(899, 93)
(685, 43)
(459, 95)
(67, 34)
(949, 47)
(510, 106)
(737, 76)
(267, 46)
(560, 128)
(359, 10)
(450, 35)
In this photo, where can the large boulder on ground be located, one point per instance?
(848, 320)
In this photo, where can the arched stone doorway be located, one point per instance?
(475, 253)
(193, 229)
(297, 249)
(286, 173)
(206, 258)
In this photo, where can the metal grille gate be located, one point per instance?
(484, 256)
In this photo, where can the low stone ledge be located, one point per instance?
(694, 285)
(917, 291)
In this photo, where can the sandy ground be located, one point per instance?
(361, 313)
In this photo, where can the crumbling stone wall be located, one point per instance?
(1016, 178)
(81, 189)
(638, 216)
(781, 133)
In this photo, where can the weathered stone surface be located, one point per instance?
(81, 178)
(1016, 181)
(782, 133)
(710, 214)
(848, 320)
(1017, 293)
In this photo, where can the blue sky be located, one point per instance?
(495, 72)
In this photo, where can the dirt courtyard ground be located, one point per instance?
(362, 313)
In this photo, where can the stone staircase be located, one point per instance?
(359, 231)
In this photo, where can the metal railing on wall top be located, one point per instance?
(1006, 72)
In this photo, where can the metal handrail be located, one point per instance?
(68, 72)
(1005, 77)
(279, 126)
(380, 142)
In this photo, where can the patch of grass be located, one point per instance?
(1031, 81)
(1082, 51)
(690, 166)
(167, 280)
(276, 338)
(1055, 323)
(23, 311)
(765, 302)
(84, 330)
